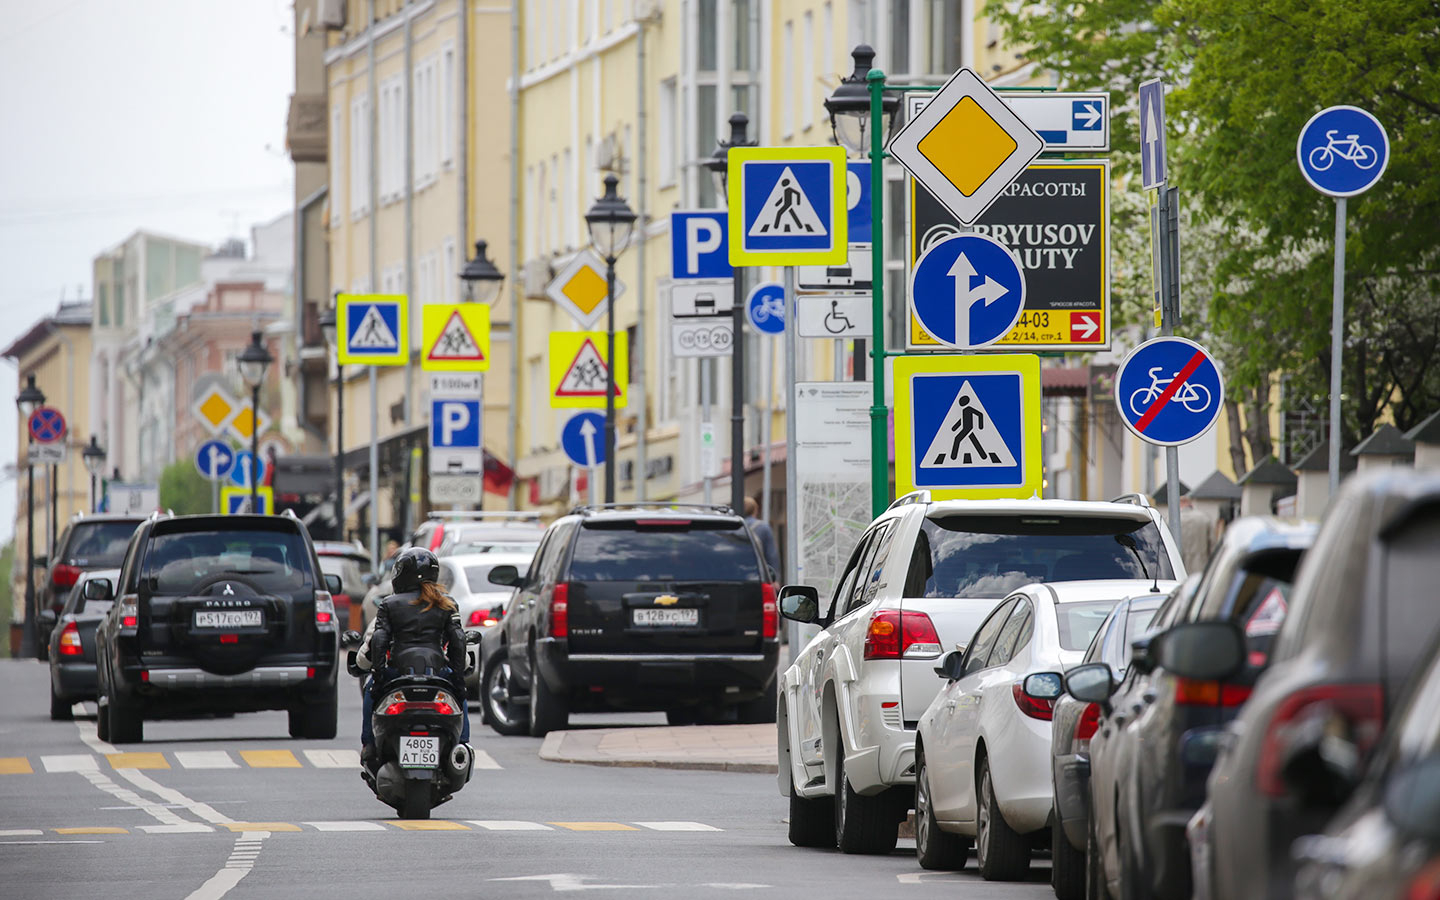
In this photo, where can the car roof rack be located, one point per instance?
(483, 514)
(586, 509)
(919, 496)
(1133, 500)
(289, 513)
(159, 514)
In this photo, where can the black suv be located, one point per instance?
(636, 607)
(218, 614)
(89, 542)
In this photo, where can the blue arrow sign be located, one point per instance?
(214, 459)
(1169, 391)
(700, 245)
(1342, 151)
(765, 308)
(968, 291)
(583, 439)
(857, 200)
(240, 469)
(1152, 134)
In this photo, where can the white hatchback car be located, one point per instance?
(983, 748)
(922, 577)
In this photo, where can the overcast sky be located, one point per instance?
(118, 115)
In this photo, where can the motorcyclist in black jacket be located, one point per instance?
(418, 615)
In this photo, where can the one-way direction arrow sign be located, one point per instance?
(1152, 133)
(581, 439)
(958, 288)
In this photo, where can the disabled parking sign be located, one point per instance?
(793, 206)
(1169, 391)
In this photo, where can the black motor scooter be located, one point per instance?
(420, 762)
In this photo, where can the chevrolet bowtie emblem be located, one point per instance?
(229, 591)
(666, 600)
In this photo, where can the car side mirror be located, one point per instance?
(1412, 799)
(1205, 651)
(1093, 683)
(48, 618)
(334, 585)
(505, 576)
(800, 603)
(1140, 657)
(351, 639)
(1044, 686)
(99, 589)
(951, 665)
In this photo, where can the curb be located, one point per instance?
(554, 750)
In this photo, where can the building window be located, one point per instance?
(447, 106)
(861, 24)
(946, 47)
(572, 219)
(336, 159)
(705, 120)
(392, 139)
(360, 155)
(533, 29)
(806, 87)
(827, 40)
(900, 38)
(707, 28)
(787, 83)
(449, 280)
(666, 161)
(742, 32)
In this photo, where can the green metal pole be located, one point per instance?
(879, 414)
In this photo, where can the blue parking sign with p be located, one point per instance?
(455, 424)
(700, 246)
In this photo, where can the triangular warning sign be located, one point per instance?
(787, 210)
(968, 438)
(586, 375)
(373, 333)
(455, 343)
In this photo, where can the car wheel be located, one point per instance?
(496, 700)
(1000, 853)
(812, 821)
(1095, 888)
(935, 849)
(682, 715)
(862, 824)
(127, 724)
(761, 710)
(1067, 866)
(316, 720)
(61, 710)
(548, 710)
(102, 714)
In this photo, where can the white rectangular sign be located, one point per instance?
(453, 461)
(1078, 121)
(132, 499)
(47, 454)
(696, 299)
(455, 385)
(832, 472)
(455, 488)
(855, 274)
(841, 316)
(701, 337)
(709, 459)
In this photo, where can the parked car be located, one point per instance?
(351, 562)
(88, 542)
(1362, 618)
(467, 579)
(72, 640)
(924, 575)
(1159, 731)
(443, 532)
(1073, 723)
(637, 607)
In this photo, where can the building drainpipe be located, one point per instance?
(374, 286)
(517, 298)
(409, 248)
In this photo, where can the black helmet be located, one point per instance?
(414, 567)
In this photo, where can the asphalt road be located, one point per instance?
(235, 808)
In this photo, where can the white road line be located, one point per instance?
(21, 832)
(70, 762)
(241, 861)
(183, 828)
(52, 842)
(91, 739)
(677, 826)
(334, 759)
(345, 826)
(205, 759)
(484, 760)
(502, 825)
(169, 795)
(160, 813)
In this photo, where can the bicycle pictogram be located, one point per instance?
(1349, 148)
(767, 307)
(1194, 397)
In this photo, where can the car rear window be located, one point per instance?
(975, 557)
(478, 577)
(1080, 621)
(720, 551)
(100, 543)
(272, 561)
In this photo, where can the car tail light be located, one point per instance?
(477, 618)
(560, 611)
(63, 576)
(70, 640)
(1191, 692)
(1030, 706)
(662, 523)
(894, 634)
(324, 611)
(437, 538)
(397, 703)
(482, 618)
(129, 613)
(1362, 705)
(1426, 883)
(1087, 726)
(769, 612)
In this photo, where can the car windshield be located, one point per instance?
(976, 557)
(478, 577)
(1080, 621)
(680, 552)
(271, 561)
(100, 543)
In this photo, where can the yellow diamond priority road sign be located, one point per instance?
(966, 146)
(580, 288)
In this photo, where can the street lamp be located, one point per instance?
(611, 222)
(329, 326)
(482, 279)
(849, 105)
(254, 361)
(94, 456)
(29, 400)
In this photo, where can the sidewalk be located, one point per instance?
(729, 748)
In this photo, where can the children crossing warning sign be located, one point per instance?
(968, 436)
(457, 337)
(579, 370)
(787, 210)
(372, 329)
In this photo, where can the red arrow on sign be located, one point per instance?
(1085, 327)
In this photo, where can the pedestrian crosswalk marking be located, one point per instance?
(787, 210)
(676, 826)
(373, 333)
(240, 827)
(345, 826)
(270, 759)
(323, 758)
(334, 759)
(968, 437)
(77, 762)
(15, 765)
(427, 825)
(594, 826)
(205, 759)
(137, 761)
(484, 760)
(341, 826)
(98, 829)
(21, 832)
(503, 825)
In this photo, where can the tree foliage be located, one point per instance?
(183, 490)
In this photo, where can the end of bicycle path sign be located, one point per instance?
(793, 206)
(1169, 391)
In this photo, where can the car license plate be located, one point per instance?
(664, 617)
(419, 752)
(228, 618)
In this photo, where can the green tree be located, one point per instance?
(7, 590)
(183, 490)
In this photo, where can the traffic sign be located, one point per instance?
(701, 337)
(236, 501)
(968, 426)
(1152, 133)
(47, 425)
(455, 385)
(1065, 121)
(968, 291)
(214, 460)
(765, 308)
(456, 436)
(1169, 391)
(240, 469)
(37, 454)
(214, 408)
(580, 288)
(243, 421)
(578, 368)
(792, 202)
(702, 299)
(841, 316)
(857, 203)
(699, 245)
(583, 439)
(855, 274)
(966, 145)
(456, 337)
(1343, 151)
(130, 499)
(372, 329)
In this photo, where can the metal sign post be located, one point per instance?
(792, 501)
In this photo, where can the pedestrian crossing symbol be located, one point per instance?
(968, 426)
(372, 329)
(794, 206)
(579, 369)
(456, 337)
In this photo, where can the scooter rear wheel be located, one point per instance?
(416, 803)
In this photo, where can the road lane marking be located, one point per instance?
(427, 825)
(249, 827)
(15, 765)
(70, 762)
(484, 760)
(97, 829)
(678, 826)
(503, 825)
(594, 826)
(21, 832)
(159, 812)
(270, 759)
(205, 759)
(91, 739)
(72, 841)
(565, 883)
(182, 828)
(334, 759)
(242, 860)
(169, 795)
(345, 826)
(137, 761)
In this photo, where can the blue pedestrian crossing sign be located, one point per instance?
(765, 308)
(1169, 391)
(372, 329)
(240, 469)
(214, 459)
(1343, 151)
(583, 439)
(968, 291)
(792, 203)
(699, 245)
(968, 426)
(236, 501)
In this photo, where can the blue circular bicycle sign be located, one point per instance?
(1342, 151)
(1169, 391)
(765, 308)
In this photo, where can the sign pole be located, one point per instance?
(792, 502)
(214, 488)
(879, 414)
(374, 469)
(1169, 306)
(737, 396)
(706, 434)
(1337, 334)
(767, 378)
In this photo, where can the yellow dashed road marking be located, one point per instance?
(594, 826)
(15, 765)
(428, 825)
(94, 830)
(137, 761)
(238, 827)
(270, 759)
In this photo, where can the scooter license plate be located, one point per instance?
(419, 752)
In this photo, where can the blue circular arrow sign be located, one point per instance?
(583, 439)
(968, 291)
(214, 460)
(765, 308)
(1342, 151)
(240, 471)
(1169, 391)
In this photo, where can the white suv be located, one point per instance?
(924, 575)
